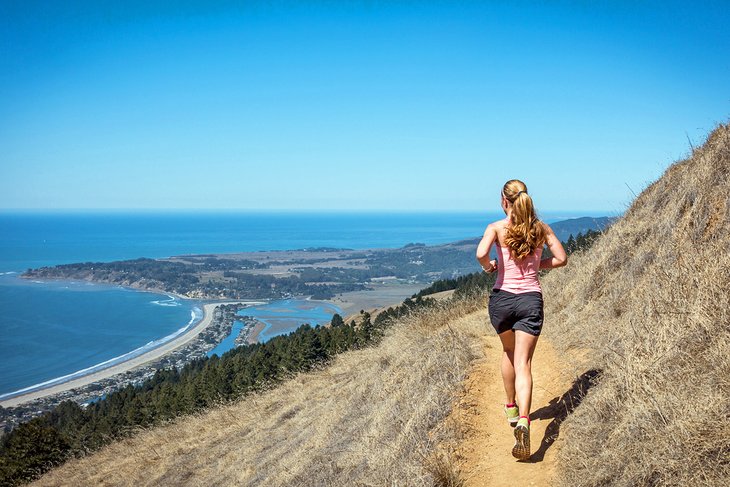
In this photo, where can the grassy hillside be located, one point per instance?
(373, 417)
(649, 306)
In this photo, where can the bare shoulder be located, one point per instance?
(549, 234)
(499, 224)
(494, 227)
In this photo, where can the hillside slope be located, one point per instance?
(372, 417)
(649, 306)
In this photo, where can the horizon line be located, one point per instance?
(284, 210)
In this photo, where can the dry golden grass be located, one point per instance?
(650, 303)
(373, 417)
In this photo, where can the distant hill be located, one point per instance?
(565, 228)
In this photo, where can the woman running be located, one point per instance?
(515, 303)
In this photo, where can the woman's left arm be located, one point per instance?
(485, 246)
(559, 258)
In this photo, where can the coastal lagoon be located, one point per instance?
(280, 318)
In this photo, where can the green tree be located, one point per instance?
(33, 448)
(337, 320)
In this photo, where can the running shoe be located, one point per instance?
(513, 414)
(521, 450)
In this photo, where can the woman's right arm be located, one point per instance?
(490, 235)
(559, 258)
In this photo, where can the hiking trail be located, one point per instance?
(484, 454)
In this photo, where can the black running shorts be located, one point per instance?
(516, 311)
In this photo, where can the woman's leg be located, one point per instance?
(508, 367)
(524, 347)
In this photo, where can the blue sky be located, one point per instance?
(352, 105)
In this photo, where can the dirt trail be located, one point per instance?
(484, 455)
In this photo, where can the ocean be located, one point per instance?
(50, 330)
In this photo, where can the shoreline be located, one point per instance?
(153, 290)
(127, 365)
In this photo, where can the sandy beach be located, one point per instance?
(126, 365)
(253, 335)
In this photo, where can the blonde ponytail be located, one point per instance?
(525, 233)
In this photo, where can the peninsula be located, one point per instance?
(319, 273)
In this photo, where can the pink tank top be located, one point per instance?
(518, 277)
